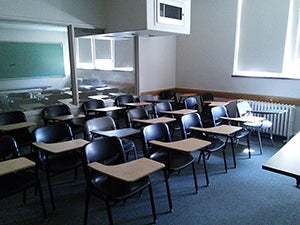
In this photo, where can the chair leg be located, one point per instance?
(41, 198)
(50, 191)
(259, 142)
(86, 209)
(195, 177)
(168, 190)
(248, 146)
(233, 152)
(224, 158)
(110, 218)
(271, 136)
(152, 203)
(205, 170)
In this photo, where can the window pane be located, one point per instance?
(103, 49)
(124, 53)
(85, 50)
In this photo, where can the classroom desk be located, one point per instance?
(269, 111)
(60, 147)
(136, 104)
(216, 103)
(98, 97)
(244, 119)
(107, 109)
(286, 160)
(186, 95)
(223, 130)
(179, 112)
(14, 165)
(16, 126)
(155, 120)
(65, 117)
(186, 145)
(129, 171)
(121, 133)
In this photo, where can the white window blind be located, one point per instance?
(266, 39)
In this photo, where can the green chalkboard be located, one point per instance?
(28, 60)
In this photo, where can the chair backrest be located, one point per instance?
(145, 97)
(123, 99)
(100, 123)
(205, 97)
(168, 95)
(218, 112)
(190, 120)
(161, 106)
(158, 131)
(8, 147)
(191, 103)
(136, 113)
(55, 110)
(12, 117)
(243, 108)
(108, 151)
(53, 133)
(92, 104)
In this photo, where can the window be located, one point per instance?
(105, 53)
(267, 39)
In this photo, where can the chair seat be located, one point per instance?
(241, 133)
(266, 124)
(15, 182)
(63, 161)
(216, 145)
(117, 190)
(179, 160)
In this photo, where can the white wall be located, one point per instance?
(81, 13)
(157, 60)
(205, 57)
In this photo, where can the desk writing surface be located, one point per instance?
(136, 104)
(63, 146)
(184, 145)
(15, 126)
(244, 119)
(180, 111)
(123, 132)
(106, 109)
(13, 165)
(65, 117)
(269, 111)
(286, 160)
(221, 130)
(155, 120)
(129, 171)
(98, 97)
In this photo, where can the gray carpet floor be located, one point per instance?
(245, 195)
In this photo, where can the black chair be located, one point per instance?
(21, 180)
(206, 109)
(59, 110)
(191, 103)
(55, 164)
(220, 111)
(244, 109)
(194, 120)
(109, 151)
(166, 106)
(107, 123)
(169, 95)
(175, 161)
(149, 108)
(136, 113)
(92, 104)
(22, 136)
(121, 114)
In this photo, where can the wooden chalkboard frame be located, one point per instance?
(31, 60)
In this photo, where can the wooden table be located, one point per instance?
(223, 130)
(14, 165)
(180, 112)
(129, 171)
(60, 147)
(16, 126)
(155, 120)
(286, 160)
(121, 133)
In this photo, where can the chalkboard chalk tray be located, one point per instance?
(31, 60)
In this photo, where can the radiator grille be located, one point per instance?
(283, 124)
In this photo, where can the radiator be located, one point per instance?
(283, 124)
